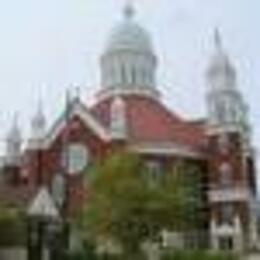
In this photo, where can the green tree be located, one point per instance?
(123, 205)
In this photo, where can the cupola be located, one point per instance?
(128, 63)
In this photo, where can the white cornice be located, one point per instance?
(220, 129)
(166, 149)
(111, 92)
(224, 230)
(230, 194)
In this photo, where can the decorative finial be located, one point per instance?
(68, 98)
(15, 119)
(40, 114)
(217, 39)
(77, 91)
(129, 10)
(15, 129)
(39, 105)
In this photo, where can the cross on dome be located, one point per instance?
(129, 10)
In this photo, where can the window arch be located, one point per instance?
(155, 171)
(226, 178)
(226, 214)
(123, 74)
(220, 111)
(223, 143)
(133, 76)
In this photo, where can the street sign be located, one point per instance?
(43, 205)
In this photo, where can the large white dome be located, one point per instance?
(128, 63)
(129, 35)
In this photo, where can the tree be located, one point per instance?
(123, 205)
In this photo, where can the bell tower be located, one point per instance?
(231, 190)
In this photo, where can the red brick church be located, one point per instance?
(129, 111)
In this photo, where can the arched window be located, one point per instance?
(155, 171)
(226, 213)
(223, 143)
(143, 76)
(225, 173)
(220, 112)
(133, 76)
(123, 74)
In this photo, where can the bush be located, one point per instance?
(88, 253)
(13, 228)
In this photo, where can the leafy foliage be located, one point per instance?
(12, 226)
(124, 206)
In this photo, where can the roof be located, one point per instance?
(150, 121)
(129, 35)
(75, 108)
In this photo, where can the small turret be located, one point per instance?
(225, 102)
(38, 128)
(231, 177)
(13, 144)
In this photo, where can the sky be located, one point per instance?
(51, 45)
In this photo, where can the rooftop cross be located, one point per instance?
(129, 10)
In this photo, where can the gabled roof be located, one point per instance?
(76, 108)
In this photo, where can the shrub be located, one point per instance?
(13, 228)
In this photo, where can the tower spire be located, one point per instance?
(218, 39)
(38, 126)
(224, 99)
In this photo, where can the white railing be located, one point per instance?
(230, 194)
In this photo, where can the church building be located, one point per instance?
(129, 112)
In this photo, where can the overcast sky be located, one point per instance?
(48, 45)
